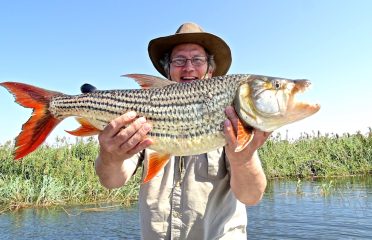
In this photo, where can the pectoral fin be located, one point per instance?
(86, 129)
(155, 163)
(244, 136)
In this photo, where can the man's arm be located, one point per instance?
(248, 180)
(121, 139)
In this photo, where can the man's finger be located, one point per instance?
(141, 146)
(232, 116)
(114, 127)
(138, 135)
(229, 133)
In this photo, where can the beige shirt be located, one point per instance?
(191, 198)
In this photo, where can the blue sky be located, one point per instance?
(59, 45)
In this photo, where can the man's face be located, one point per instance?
(192, 70)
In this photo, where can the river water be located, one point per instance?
(324, 209)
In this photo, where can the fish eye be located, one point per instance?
(276, 84)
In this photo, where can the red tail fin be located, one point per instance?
(41, 122)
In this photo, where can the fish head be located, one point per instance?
(267, 103)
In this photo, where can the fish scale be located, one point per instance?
(186, 118)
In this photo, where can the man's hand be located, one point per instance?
(230, 129)
(123, 137)
(248, 180)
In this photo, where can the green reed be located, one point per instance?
(63, 173)
(59, 174)
(318, 155)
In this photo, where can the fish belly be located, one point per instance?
(186, 147)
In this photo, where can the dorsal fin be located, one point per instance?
(149, 81)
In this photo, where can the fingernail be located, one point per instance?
(146, 127)
(229, 110)
(227, 124)
(131, 114)
(141, 120)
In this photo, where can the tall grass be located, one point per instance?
(318, 155)
(64, 173)
(58, 174)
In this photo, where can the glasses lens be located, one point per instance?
(179, 62)
(196, 61)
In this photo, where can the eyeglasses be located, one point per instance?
(196, 61)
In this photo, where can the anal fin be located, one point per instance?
(155, 162)
(244, 136)
(86, 128)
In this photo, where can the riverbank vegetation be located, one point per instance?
(318, 155)
(59, 174)
(64, 173)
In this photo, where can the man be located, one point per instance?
(194, 197)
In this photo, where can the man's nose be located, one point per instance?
(188, 65)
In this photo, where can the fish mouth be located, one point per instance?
(301, 109)
(300, 86)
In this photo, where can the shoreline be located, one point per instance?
(64, 174)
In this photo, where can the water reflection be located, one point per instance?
(71, 223)
(339, 208)
(292, 210)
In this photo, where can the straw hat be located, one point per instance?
(191, 33)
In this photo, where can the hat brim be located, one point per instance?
(211, 43)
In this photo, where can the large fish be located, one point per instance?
(186, 118)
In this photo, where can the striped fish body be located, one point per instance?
(186, 118)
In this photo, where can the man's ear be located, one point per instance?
(210, 73)
(168, 74)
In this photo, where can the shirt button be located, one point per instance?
(176, 215)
